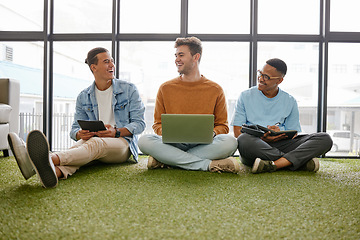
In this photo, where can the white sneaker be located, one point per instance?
(39, 152)
(261, 166)
(18, 148)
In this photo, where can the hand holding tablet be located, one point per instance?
(92, 126)
(259, 131)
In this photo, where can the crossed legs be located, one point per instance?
(188, 156)
(293, 153)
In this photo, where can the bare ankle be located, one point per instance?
(59, 174)
(282, 162)
(55, 158)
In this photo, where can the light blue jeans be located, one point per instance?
(188, 156)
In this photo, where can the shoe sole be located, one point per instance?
(256, 165)
(25, 173)
(38, 150)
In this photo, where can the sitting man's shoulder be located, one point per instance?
(123, 84)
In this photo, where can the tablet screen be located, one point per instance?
(92, 126)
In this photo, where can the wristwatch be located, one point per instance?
(117, 133)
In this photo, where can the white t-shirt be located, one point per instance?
(104, 100)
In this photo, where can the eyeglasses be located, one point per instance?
(265, 77)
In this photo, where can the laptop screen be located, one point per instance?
(187, 128)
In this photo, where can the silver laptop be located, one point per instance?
(187, 128)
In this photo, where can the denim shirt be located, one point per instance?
(128, 111)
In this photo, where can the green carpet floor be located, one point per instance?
(130, 202)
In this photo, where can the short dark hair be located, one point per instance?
(279, 64)
(92, 55)
(193, 43)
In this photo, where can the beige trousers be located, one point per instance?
(107, 150)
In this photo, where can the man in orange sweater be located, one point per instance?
(191, 93)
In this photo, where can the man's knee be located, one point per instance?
(229, 143)
(244, 141)
(325, 139)
(146, 142)
(247, 147)
(143, 142)
(96, 142)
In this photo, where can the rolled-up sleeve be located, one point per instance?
(79, 114)
(220, 113)
(136, 123)
(239, 115)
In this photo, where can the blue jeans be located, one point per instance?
(188, 156)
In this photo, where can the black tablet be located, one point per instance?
(259, 131)
(92, 126)
(289, 133)
(252, 130)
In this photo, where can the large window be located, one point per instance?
(71, 75)
(149, 64)
(344, 16)
(20, 15)
(156, 16)
(45, 44)
(229, 17)
(82, 16)
(289, 17)
(301, 78)
(24, 62)
(344, 98)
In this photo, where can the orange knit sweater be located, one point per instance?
(201, 97)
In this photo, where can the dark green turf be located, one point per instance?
(130, 202)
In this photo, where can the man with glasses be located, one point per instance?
(267, 105)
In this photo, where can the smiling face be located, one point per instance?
(184, 61)
(269, 87)
(105, 67)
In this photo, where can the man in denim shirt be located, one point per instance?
(117, 103)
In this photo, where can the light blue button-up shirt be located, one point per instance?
(128, 110)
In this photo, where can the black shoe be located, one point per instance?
(38, 149)
(261, 166)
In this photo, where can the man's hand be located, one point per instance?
(237, 131)
(110, 132)
(268, 138)
(84, 134)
